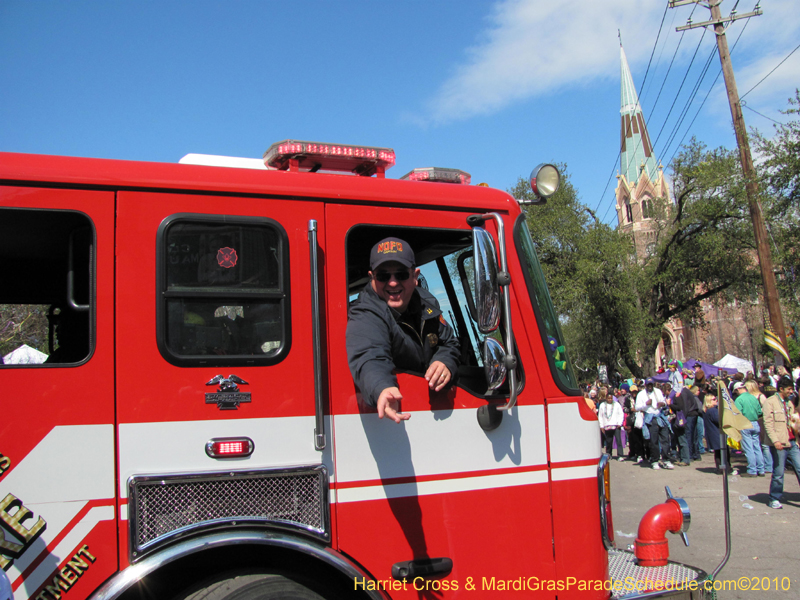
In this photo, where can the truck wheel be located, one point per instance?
(253, 586)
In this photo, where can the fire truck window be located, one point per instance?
(224, 296)
(46, 301)
(441, 256)
(549, 325)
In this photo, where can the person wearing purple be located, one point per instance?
(610, 417)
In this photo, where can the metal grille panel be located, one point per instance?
(164, 505)
(633, 580)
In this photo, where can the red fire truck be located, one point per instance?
(194, 431)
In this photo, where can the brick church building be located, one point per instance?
(644, 203)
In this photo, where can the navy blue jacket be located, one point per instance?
(711, 422)
(381, 341)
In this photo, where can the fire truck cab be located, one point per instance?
(195, 432)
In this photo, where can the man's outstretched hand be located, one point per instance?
(389, 405)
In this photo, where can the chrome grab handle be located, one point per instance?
(319, 430)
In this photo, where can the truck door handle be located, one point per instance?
(71, 275)
(422, 567)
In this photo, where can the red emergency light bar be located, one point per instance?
(293, 155)
(238, 447)
(438, 174)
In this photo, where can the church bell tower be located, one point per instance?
(640, 182)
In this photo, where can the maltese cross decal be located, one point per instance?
(227, 258)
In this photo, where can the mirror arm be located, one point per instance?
(503, 279)
(477, 220)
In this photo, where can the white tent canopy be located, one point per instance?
(731, 362)
(24, 355)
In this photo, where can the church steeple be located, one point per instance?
(636, 151)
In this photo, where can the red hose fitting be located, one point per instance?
(651, 546)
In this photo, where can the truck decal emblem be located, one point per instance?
(227, 257)
(228, 396)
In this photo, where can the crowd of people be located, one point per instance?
(676, 423)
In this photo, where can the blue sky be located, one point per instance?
(492, 88)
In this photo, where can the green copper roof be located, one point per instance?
(635, 147)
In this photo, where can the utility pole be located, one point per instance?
(751, 184)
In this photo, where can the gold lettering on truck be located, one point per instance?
(5, 463)
(67, 576)
(12, 515)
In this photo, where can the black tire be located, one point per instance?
(251, 586)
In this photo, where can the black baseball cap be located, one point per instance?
(391, 249)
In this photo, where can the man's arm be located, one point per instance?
(369, 354)
(770, 426)
(445, 359)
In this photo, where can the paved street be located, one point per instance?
(764, 545)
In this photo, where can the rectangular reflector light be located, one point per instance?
(230, 447)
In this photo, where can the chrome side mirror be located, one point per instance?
(487, 289)
(494, 363)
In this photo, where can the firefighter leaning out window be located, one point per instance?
(395, 324)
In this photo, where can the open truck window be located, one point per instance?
(444, 258)
(223, 291)
(47, 296)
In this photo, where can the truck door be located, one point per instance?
(57, 506)
(435, 486)
(215, 355)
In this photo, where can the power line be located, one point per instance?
(768, 74)
(666, 75)
(690, 100)
(688, 129)
(758, 113)
(658, 35)
(674, 54)
(660, 56)
(678, 93)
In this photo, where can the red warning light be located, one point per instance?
(230, 447)
(294, 155)
(439, 174)
(227, 258)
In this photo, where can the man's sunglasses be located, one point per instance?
(385, 276)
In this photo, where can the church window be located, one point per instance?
(646, 209)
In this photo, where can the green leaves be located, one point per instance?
(615, 301)
(586, 266)
(779, 163)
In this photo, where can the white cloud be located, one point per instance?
(535, 47)
(538, 47)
